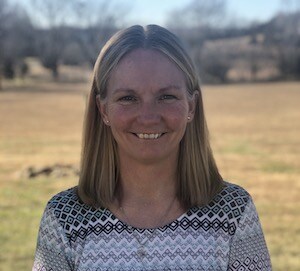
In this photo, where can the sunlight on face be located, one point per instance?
(147, 106)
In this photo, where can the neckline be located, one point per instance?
(169, 224)
(133, 228)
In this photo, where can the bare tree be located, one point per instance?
(51, 15)
(99, 25)
(199, 14)
(4, 14)
(98, 12)
(92, 21)
(15, 36)
(194, 23)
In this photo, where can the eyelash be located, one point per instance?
(167, 97)
(129, 98)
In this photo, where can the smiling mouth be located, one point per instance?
(149, 136)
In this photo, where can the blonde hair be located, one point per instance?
(198, 176)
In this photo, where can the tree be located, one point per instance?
(4, 14)
(99, 26)
(281, 33)
(195, 23)
(16, 34)
(60, 21)
(199, 14)
(51, 40)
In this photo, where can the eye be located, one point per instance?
(127, 98)
(168, 97)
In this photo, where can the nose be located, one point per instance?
(149, 113)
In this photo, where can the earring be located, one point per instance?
(107, 122)
(189, 118)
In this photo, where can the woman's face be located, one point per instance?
(147, 107)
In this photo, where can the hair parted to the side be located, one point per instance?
(198, 176)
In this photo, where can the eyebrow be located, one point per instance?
(123, 90)
(163, 89)
(169, 88)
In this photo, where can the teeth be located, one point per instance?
(148, 136)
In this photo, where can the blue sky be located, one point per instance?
(156, 11)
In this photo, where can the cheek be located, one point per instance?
(119, 115)
(177, 113)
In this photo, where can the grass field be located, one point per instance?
(255, 134)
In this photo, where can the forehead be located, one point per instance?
(147, 67)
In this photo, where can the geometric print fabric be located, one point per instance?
(224, 235)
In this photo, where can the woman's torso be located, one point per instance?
(198, 240)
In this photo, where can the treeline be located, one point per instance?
(52, 39)
(261, 52)
(223, 52)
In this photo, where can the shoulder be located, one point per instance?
(65, 202)
(72, 214)
(226, 209)
(232, 200)
(232, 196)
(63, 195)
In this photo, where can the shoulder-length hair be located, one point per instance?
(198, 176)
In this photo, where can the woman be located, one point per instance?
(150, 196)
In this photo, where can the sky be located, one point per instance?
(156, 11)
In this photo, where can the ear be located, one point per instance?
(102, 107)
(192, 105)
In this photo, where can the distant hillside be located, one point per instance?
(261, 52)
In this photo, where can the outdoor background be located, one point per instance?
(248, 56)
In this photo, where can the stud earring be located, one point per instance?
(189, 118)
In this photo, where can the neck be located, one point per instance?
(146, 193)
(146, 184)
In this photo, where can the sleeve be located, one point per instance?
(53, 252)
(248, 249)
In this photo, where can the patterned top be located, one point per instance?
(224, 235)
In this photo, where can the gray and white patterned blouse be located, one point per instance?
(224, 235)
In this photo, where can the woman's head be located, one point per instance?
(198, 177)
(147, 108)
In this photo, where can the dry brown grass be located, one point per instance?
(41, 127)
(255, 134)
